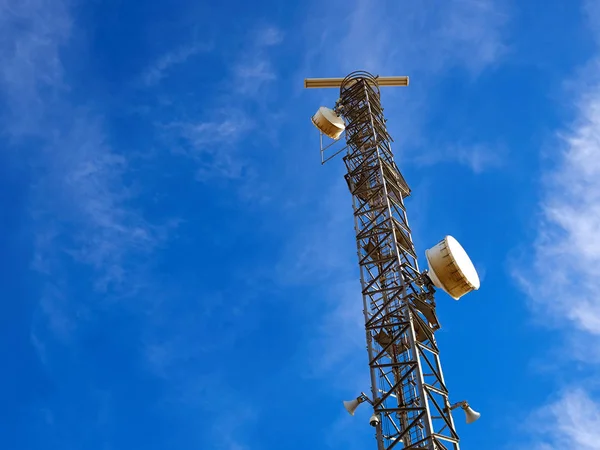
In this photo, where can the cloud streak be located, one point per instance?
(471, 33)
(562, 277)
(410, 37)
(82, 211)
(570, 421)
(214, 140)
(31, 36)
(566, 277)
(211, 144)
(160, 68)
(563, 280)
(479, 158)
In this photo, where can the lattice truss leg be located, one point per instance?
(408, 387)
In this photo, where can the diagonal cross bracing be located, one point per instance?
(408, 386)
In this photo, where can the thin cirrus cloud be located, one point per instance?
(160, 68)
(214, 141)
(80, 207)
(253, 69)
(269, 35)
(563, 283)
(30, 54)
(213, 145)
(572, 420)
(565, 264)
(479, 158)
(472, 32)
(465, 33)
(592, 10)
(562, 277)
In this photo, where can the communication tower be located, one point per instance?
(411, 406)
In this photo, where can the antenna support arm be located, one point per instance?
(319, 83)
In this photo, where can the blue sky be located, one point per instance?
(179, 271)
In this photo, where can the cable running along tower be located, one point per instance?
(409, 397)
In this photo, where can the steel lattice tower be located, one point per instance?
(408, 388)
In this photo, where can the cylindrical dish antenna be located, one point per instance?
(328, 122)
(451, 269)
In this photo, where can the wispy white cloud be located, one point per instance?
(409, 37)
(479, 158)
(81, 207)
(572, 420)
(32, 33)
(592, 10)
(561, 277)
(565, 278)
(252, 73)
(214, 142)
(253, 70)
(228, 125)
(268, 36)
(159, 69)
(84, 197)
(471, 32)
